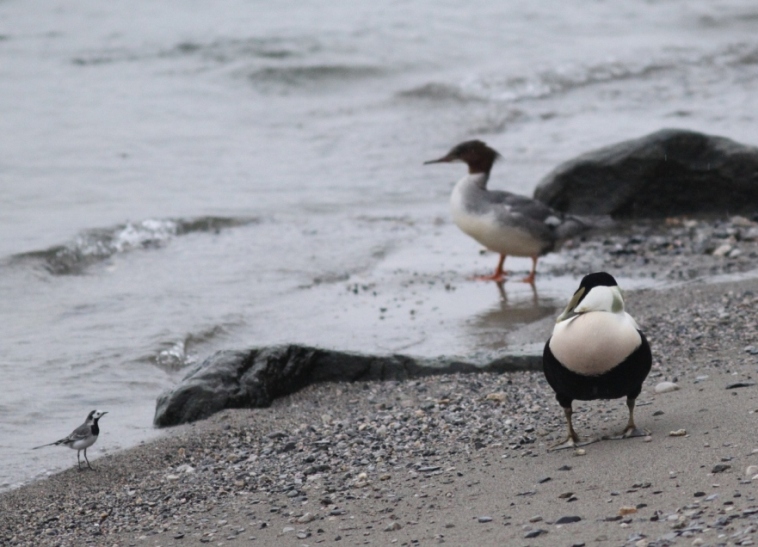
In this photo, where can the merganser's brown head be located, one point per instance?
(477, 155)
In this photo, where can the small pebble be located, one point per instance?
(665, 387)
(736, 385)
(678, 433)
(306, 518)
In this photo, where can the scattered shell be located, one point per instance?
(499, 397)
(627, 510)
(751, 470)
(678, 433)
(665, 387)
(392, 527)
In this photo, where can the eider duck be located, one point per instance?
(503, 222)
(597, 351)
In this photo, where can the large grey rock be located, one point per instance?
(670, 172)
(254, 378)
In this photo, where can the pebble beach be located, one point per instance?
(462, 459)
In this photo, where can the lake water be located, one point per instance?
(180, 177)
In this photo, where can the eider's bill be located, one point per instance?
(597, 292)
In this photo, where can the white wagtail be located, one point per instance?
(82, 437)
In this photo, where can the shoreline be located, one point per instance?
(446, 458)
(460, 466)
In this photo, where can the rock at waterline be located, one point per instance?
(254, 378)
(667, 173)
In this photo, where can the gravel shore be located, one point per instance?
(462, 459)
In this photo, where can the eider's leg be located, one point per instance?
(630, 430)
(530, 278)
(572, 439)
(499, 274)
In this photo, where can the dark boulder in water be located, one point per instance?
(667, 173)
(254, 378)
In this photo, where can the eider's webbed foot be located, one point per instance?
(572, 439)
(631, 430)
(572, 442)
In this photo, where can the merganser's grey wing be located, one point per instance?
(528, 207)
(542, 220)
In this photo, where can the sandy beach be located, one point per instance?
(458, 459)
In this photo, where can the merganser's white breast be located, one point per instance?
(478, 218)
(593, 343)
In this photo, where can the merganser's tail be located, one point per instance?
(573, 225)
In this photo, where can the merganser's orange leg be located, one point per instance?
(499, 274)
(530, 278)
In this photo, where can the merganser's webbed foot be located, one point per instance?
(497, 277)
(530, 278)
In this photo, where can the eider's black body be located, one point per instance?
(624, 380)
(596, 352)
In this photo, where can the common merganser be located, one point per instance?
(82, 437)
(503, 222)
(597, 351)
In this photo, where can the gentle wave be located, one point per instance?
(221, 51)
(95, 246)
(182, 353)
(540, 85)
(309, 75)
(546, 83)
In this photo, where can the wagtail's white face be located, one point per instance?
(95, 414)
